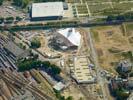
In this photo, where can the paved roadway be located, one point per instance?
(98, 69)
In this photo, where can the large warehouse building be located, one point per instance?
(48, 10)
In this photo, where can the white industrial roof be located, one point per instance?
(72, 35)
(47, 9)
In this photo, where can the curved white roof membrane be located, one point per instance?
(72, 35)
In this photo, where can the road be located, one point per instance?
(98, 68)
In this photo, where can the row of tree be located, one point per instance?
(124, 17)
(47, 25)
(48, 0)
(24, 3)
(1, 2)
(32, 63)
(9, 19)
(21, 3)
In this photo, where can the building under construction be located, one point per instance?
(81, 72)
(66, 39)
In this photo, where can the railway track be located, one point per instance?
(22, 84)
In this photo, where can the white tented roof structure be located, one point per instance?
(72, 35)
(48, 9)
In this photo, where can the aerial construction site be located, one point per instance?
(66, 50)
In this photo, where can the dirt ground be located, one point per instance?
(129, 32)
(110, 42)
(74, 92)
(48, 51)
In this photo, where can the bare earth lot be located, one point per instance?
(110, 43)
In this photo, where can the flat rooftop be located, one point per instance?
(48, 9)
(15, 50)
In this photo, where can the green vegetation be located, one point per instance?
(1, 2)
(21, 3)
(95, 36)
(18, 18)
(98, 8)
(1, 19)
(9, 18)
(122, 94)
(48, 0)
(128, 55)
(22, 46)
(24, 3)
(82, 9)
(45, 26)
(60, 97)
(69, 98)
(122, 17)
(32, 63)
(105, 9)
(110, 18)
(35, 43)
(129, 26)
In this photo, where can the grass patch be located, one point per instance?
(129, 26)
(95, 35)
(82, 9)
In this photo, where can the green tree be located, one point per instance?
(9, 18)
(55, 70)
(1, 19)
(35, 43)
(1, 2)
(24, 3)
(32, 63)
(69, 98)
(120, 17)
(18, 18)
(122, 94)
(110, 18)
(17, 2)
(21, 3)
